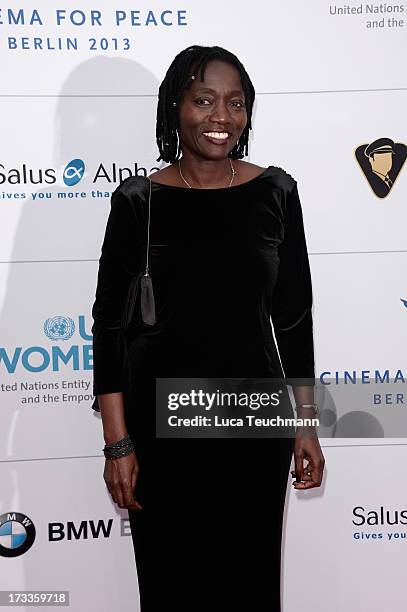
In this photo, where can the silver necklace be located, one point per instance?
(186, 182)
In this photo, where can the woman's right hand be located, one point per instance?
(120, 476)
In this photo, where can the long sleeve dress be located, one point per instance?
(229, 266)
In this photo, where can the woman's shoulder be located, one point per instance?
(281, 178)
(275, 175)
(129, 200)
(137, 187)
(133, 187)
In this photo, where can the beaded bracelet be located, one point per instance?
(123, 442)
(116, 454)
(121, 448)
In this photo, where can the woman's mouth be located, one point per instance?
(217, 137)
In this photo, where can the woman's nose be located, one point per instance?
(219, 113)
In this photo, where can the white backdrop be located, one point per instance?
(327, 81)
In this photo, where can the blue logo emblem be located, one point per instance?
(17, 534)
(74, 172)
(59, 328)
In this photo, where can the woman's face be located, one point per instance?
(212, 112)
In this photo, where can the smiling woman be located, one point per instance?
(213, 112)
(227, 255)
(206, 103)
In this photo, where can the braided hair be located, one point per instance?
(177, 79)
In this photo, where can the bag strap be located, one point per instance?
(146, 273)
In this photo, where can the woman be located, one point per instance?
(227, 250)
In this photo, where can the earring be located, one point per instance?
(177, 148)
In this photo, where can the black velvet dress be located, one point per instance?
(225, 263)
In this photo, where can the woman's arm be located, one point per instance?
(293, 327)
(292, 296)
(118, 262)
(112, 413)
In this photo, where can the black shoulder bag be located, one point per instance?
(139, 309)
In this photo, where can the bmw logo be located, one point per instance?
(74, 172)
(17, 534)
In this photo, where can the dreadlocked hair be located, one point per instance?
(178, 78)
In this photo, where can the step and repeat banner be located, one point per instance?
(78, 93)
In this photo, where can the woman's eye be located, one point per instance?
(207, 102)
(202, 101)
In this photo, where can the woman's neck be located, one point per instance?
(205, 172)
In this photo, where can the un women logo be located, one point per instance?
(73, 172)
(59, 328)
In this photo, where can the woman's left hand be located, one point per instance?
(307, 447)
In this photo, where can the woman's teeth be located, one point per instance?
(218, 135)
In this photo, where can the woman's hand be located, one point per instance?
(307, 447)
(120, 476)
